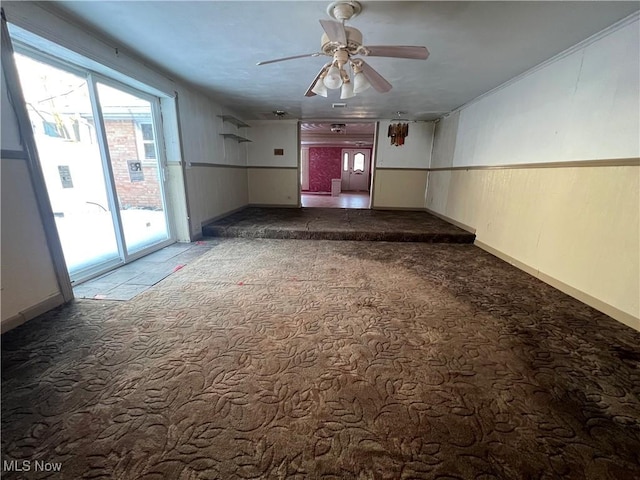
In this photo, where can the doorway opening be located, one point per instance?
(336, 168)
(98, 147)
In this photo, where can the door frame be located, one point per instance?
(14, 92)
(372, 157)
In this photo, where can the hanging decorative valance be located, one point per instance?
(398, 132)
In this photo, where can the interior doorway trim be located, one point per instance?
(374, 166)
(318, 136)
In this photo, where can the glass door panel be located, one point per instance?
(355, 169)
(60, 111)
(131, 136)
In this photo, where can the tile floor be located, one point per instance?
(127, 281)
(344, 200)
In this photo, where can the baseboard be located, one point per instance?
(273, 205)
(451, 220)
(222, 215)
(399, 209)
(32, 312)
(613, 312)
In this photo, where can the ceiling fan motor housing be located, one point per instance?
(354, 42)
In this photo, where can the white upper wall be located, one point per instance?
(444, 141)
(78, 45)
(269, 135)
(201, 126)
(582, 105)
(416, 151)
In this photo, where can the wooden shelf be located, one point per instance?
(238, 124)
(235, 137)
(235, 121)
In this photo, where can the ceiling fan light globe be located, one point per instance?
(320, 89)
(347, 90)
(333, 78)
(360, 83)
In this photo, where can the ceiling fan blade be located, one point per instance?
(416, 53)
(309, 93)
(335, 31)
(289, 58)
(376, 80)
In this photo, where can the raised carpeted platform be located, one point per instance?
(337, 224)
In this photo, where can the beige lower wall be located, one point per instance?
(214, 191)
(576, 228)
(399, 188)
(177, 201)
(29, 282)
(273, 186)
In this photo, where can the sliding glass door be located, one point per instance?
(59, 106)
(130, 131)
(97, 143)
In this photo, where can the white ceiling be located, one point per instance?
(475, 46)
(350, 133)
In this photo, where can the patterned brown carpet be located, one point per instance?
(289, 359)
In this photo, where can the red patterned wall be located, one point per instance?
(324, 164)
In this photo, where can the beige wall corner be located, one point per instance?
(273, 186)
(31, 312)
(451, 220)
(613, 312)
(577, 228)
(176, 198)
(214, 190)
(399, 188)
(28, 276)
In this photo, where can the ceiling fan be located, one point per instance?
(343, 43)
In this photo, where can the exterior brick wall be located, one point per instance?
(121, 135)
